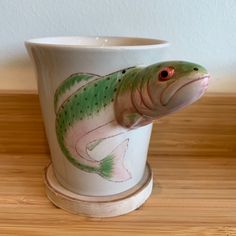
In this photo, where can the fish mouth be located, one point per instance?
(171, 90)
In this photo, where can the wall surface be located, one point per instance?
(200, 31)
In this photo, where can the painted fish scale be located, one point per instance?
(68, 83)
(83, 104)
(90, 99)
(137, 77)
(129, 80)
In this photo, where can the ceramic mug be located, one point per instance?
(78, 79)
(99, 97)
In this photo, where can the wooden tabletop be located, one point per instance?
(192, 153)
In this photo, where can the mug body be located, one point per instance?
(91, 154)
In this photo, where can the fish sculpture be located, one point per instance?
(90, 109)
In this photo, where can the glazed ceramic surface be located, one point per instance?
(99, 97)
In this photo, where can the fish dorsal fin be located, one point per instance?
(70, 85)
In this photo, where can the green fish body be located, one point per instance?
(91, 109)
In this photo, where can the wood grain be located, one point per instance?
(192, 153)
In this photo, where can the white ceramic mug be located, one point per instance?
(64, 66)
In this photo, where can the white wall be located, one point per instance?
(202, 31)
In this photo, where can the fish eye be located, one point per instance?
(166, 73)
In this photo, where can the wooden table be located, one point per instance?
(192, 153)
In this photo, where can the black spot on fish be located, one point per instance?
(115, 89)
(106, 87)
(77, 103)
(123, 71)
(96, 104)
(65, 112)
(104, 104)
(90, 114)
(95, 95)
(105, 96)
(97, 111)
(85, 89)
(81, 118)
(80, 111)
(88, 107)
(95, 85)
(108, 78)
(112, 99)
(119, 80)
(75, 95)
(86, 99)
(69, 123)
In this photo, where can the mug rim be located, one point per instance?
(98, 42)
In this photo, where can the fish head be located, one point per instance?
(176, 84)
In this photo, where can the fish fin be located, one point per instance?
(134, 120)
(96, 136)
(131, 119)
(94, 144)
(70, 85)
(112, 167)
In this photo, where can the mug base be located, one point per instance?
(100, 206)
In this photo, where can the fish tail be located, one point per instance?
(112, 166)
